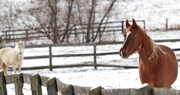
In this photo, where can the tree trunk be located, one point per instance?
(89, 21)
(68, 20)
(105, 15)
(53, 22)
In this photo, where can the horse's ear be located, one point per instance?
(127, 23)
(134, 23)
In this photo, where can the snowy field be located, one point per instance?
(87, 76)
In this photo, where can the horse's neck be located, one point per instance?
(146, 46)
(146, 52)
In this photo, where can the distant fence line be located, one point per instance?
(94, 54)
(76, 29)
(55, 86)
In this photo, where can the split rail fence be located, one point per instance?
(94, 54)
(55, 86)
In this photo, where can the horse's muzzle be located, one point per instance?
(123, 54)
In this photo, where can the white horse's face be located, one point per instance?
(21, 47)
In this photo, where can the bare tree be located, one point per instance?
(91, 12)
(87, 11)
(90, 22)
(38, 18)
(7, 16)
(53, 19)
(70, 5)
(49, 17)
(103, 18)
(45, 14)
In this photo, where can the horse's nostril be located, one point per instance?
(122, 54)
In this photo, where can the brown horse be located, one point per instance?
(158, 65)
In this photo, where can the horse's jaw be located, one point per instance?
(126, 55)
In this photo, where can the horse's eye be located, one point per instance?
(133, 35)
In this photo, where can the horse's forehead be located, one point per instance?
(127, 34)
(20, 44)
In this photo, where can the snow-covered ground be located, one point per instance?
(88, 76)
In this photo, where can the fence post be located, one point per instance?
(166, 23)
(3, 90)
(96, 91)
(75, 30)
(69, 90)
(50, 58)
(6, 36)
(144, 24)
(83, 36)
(52, 87)
(36, 84)
(19, 84)
(122, 26)
(26, 35)
(95, 64)
(145, 90)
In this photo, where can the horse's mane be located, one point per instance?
(153, 45)
(155, 48)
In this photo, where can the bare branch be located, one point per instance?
(108, 11)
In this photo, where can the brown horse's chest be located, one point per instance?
(156, 74)
(144, 75)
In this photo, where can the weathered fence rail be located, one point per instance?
(55, 86)
(94, 54)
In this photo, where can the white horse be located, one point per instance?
(12, 57)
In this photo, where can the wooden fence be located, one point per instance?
(94, 54)
(55, 86)
(76, 29)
